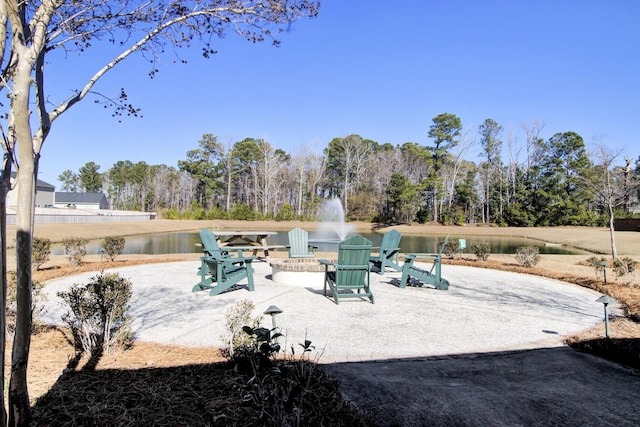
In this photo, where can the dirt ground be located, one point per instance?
(52, 351)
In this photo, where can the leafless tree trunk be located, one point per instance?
(226, 158)
(356, 152)
(301, 176)
(5, 187)
(463, 146)
(533, 133)
(269, 168)
(608, 184)
(300, 167)
(513, 152)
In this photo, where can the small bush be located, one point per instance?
(451, 249)
(280, 386)
(237, 316)
(242, 211)
(625, 269)
(38, 300)
(262, 348)
(481, 250)
(171, 213)
(40, 252)
(98, 318)
(527, 256)
(75, 249)
(596, 264)
(113, 246)
(285, 214)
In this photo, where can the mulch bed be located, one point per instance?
(625, 351)
(209, 394)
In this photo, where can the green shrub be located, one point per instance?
(446, 217)
(217, 213)
(242, 211)
(237, 316)
(171, 213)
(98, 318)
(481, 250)
(75, 249)
(625, 269)
(197, 213)
(527, 256)
(451, 248)
(286, 213)
(38, 300)
(281, 387)
(113, 246)
(40, 252)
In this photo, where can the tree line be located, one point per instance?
(540, 182)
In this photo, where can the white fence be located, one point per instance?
(82, 216)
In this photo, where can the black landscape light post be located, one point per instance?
(603, 263)
(606, 300)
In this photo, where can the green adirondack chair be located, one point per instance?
(299, 246)
(219, 272)
(388, 253)
(351, 272)
(209, 243)
(433, 276)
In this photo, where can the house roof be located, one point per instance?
(74, 197)
(40, 184)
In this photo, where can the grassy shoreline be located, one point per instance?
(595, 240)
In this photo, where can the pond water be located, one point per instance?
(185, 242)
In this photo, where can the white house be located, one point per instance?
(44, 194)
(80, 200)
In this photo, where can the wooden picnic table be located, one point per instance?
(246, 240)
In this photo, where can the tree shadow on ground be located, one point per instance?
(550, 386)
(208, 394)
(621, 350)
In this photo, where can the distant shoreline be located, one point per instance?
(595, 240)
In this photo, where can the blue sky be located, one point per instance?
(376, 68)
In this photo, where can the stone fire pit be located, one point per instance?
(297, 271)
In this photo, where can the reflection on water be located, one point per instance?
(185, 242)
